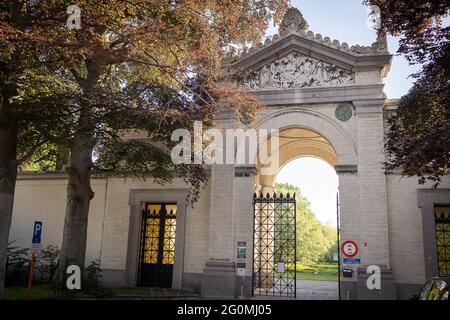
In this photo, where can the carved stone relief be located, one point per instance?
(344, 112)
(296, 71)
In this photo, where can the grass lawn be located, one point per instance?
(38, 292)
(319, 271)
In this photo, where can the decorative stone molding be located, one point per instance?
(296, 71)
(245, 171)
(293, 23)
(344, 112)
(346, 168)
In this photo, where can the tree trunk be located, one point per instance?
(79, 195)
(79, 191)
(8, 176)
(8, 153)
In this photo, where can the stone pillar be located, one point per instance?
(373, 218)
(219, 274)
(243, 226)
(218, 278)
(349, 222)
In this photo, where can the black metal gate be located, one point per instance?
(157, 245)
(274, 251)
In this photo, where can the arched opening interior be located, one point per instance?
(296, 142)
(315, 184)
(305, 166)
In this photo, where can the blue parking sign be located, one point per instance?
(37, 231)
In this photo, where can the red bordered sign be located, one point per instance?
(349, 248)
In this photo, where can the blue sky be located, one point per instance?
(346, 21)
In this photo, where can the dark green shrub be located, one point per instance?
(93, 283)
(17, 262)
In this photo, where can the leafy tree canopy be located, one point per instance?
(316, 241)
(418, 134)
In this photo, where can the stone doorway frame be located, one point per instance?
(137, 197)
(427, 199)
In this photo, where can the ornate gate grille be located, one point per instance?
(274, 251)
(442, 220)
(157, 245)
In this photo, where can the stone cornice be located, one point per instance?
(245, 171)
(369, 106)
(314, 49)
(48, 175)
(346, 168)
(313, 95)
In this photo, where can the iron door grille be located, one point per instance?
(274, 246)
(157, 245)
(442, 224)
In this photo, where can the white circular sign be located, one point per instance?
(349, 248)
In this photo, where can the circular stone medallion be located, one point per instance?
(344, 112)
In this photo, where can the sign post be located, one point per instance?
(349, 250)
(36, 247)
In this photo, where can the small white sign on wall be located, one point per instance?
(240, 271)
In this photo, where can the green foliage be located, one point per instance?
(48, 156)
(47, 263)
(93, 283)
(315, 240)
(418, 137)
(17, 260)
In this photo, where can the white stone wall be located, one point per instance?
(196, 245)
(41, 198)
(44, 198)
(405, 228)
(221, 213)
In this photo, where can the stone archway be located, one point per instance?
(308, 84)
(305, 132)
(301, 132)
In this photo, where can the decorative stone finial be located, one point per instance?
(293, 22)
(381, 42)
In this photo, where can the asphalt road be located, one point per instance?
(317, 290)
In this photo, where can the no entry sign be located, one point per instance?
(349, 248)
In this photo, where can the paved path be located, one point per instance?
(311, 290)
(317, 290)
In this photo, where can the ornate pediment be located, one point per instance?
(294, 29)
(296, 71)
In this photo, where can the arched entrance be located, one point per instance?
(315, 184)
